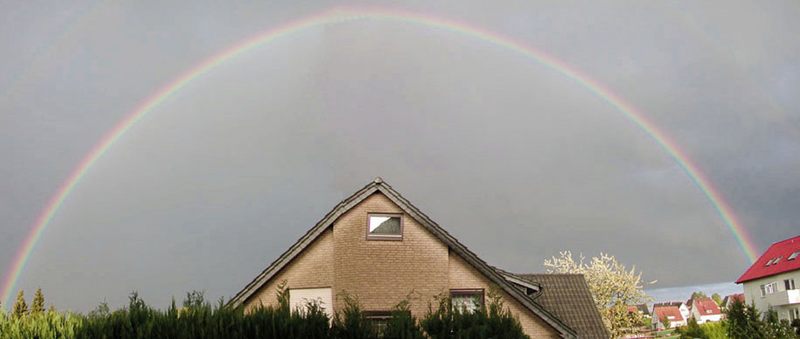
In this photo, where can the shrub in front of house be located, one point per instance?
(492, 321)
(198, 319)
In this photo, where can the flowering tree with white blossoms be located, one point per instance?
(613, 287)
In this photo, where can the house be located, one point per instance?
(729, 299)
(567, 296)
(671, 312)
(379, 247)
(704, 309)
(641, 309)
(682, 307)
(772, 281)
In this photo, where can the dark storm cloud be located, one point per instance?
(514, 159)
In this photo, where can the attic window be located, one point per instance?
(794, 255)
(384, 226)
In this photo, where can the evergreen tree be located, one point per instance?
(37, 305)
(743, 321)
(20, 307)
(692, 330)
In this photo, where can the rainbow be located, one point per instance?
(341, 15)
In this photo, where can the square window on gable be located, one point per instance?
(384, 226)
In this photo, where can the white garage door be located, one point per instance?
(300, 297)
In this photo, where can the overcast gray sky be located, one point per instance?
(511, 157)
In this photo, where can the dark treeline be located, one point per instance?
(197, 318)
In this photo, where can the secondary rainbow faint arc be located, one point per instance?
(340, 15)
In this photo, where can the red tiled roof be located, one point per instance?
(783, 250)
(706, 306)
(667, 311)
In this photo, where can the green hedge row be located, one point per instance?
(199, 319)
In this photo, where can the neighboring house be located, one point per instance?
(682, 307)
(729, 299)
(773, 280)
(379, 247)
(641, 309)
(704, 309)
(671, 311)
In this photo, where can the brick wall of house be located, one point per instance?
(463, 276)
(382, 273)
(311, 268)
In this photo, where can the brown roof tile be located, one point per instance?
(568, 297)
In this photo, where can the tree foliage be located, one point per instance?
(20, 308)
(494, 320)
(199, 319)
(709, 330)
(717, 298)
(745, 321)
(665, 322)
(613, 287)
(37, 305)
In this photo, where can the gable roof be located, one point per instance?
(705, 306)
(661, 311)
(379, 186)
(779, 258)
(569, 298)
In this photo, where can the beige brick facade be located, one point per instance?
(312, 268)
(382, 273)
(464, 276)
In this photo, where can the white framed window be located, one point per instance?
(383, 226)
(467, 300)
(789, 284)
(771, 287)
(763, 290)
(794, 313)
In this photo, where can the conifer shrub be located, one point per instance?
(402, 324)
(350, 322)
(491, 321)
(196, 318)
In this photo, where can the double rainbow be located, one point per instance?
(340, 15)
